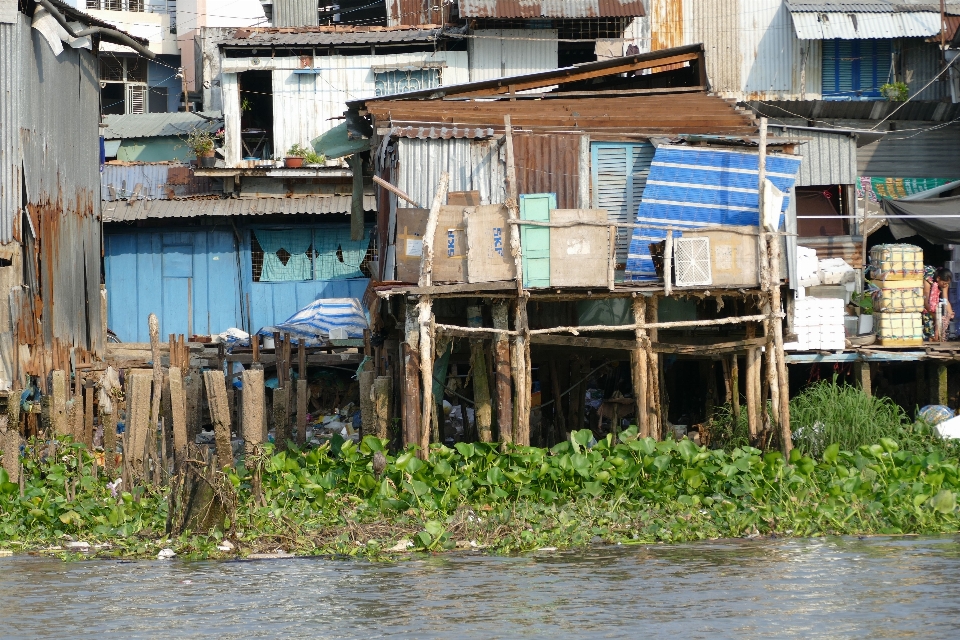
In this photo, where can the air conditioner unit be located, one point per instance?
(691, 259)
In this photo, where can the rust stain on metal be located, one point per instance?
(549, 164)
(666, 24)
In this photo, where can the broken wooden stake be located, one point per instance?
(220, 415)
(178, 412)
(253, 401)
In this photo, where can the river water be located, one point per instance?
(819, 588)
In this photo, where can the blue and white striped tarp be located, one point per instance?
(702, 186)
(321, 316)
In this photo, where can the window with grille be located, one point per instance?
(856, 69)
(136, 98)
(619, 175)
(330, 255)
(390, 82)
(116, 5)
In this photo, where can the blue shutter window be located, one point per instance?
(619, 173)
(855, 69)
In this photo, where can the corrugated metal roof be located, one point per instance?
(130, 211)
(155, 182)
(551, 8)
(857, 110)
(152, 125)
(319, 36)
(828, 158)
(861, 25)
(876, 6)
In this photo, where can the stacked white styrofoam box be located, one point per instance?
(836, 271)
(808, 267)
(818, 323)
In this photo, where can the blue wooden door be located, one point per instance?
(535, 241)
(190, 279)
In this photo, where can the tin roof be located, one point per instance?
(154, 125)
(129, 211)
(328, 36)
(550, 8)
(811, 25)
(875, 6)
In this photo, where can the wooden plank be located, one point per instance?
(580, 254)
(460, 288)
(317, 359)
(215, 383)
(138, 422)
(178, 409)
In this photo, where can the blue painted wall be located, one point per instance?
(274, 302)
(157, 271)
(160, 74)
(169, 273)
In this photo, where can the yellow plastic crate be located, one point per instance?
(896, 262)
(899, 329)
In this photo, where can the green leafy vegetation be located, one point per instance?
(895, 91)
(330, 501)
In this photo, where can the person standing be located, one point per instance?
(936, 287)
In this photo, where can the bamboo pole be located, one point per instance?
(640, 367)
(426, 317)
(483, 410)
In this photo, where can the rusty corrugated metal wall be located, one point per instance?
(54, 136)
(549, 164)
(413, 12)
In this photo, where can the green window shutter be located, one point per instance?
(535, 241)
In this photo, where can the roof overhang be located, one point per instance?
(861, 22)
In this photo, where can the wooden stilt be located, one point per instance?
(88, 418)
(943, 393)
(58, 408)
(521, 376)
(368, 416)
(383, 396)
(302, 411)
(735, 387)
(640, 368)
(193, 389)
(178, 411)
(863, 377)
(559, 417)
(108, 421)
(501, 358)
(656, 392)
(253, 400)
(482, 408)
(411, 378)
(215, 384)
(138, 423)
(157, 391)
(281, 418)
(752, 379)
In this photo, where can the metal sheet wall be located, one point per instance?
(474, 165)
(549, 164)
(411, 12)
(921, 62)
(496, 53)
(305, 105)
(156, 181)
(295, 13)
(10, 180)
(828, 158)
(59, 138)
(916, 150)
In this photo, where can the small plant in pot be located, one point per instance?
(201, 143)
(295, 156)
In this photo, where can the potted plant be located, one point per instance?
(313, 159)
(295, 156)
(201, 143)
(895, 91)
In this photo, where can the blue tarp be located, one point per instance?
(702, 186)
(321, 316)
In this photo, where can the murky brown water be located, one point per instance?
(878, 587)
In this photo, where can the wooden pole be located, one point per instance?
(559, 419)
(520, 370)
(395, 191)
(411, 399)
(88, 417)
(483, 410)
(752, 388)
(501, 359)
(302, 411)
(383, 396)
(943, 393)
(862, 370)
(109, 425)
(426, 316)
(138, 423)
(735, 387)
(252, 425)
(368, 412)
(215, 383)
(58, 409)
(668, 265)
(178, 410)
(281, 418)
(655, 393)
(154, 325)
(640, 367)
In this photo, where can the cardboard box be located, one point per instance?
(488, 242)
(410, 226)
(579, 255)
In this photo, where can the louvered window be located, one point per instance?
(856, 69)
(619, 173)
